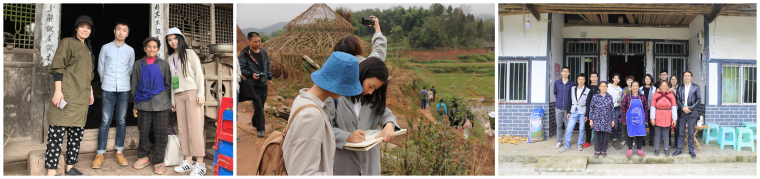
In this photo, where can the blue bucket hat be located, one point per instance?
(339, 74)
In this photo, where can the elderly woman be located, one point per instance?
(602, 119)
(151, 80)
(663, 115)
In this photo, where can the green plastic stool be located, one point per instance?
(730, 140)
(744, 138)
(752, 126)
(711, 133)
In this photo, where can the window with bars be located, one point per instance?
(223, 21)
(513, 87)
(670, 48)
(739, 84)
(620, 47)
(673, 65)
(194, 22)
(582, 64)
(582, 47)
(19, 25)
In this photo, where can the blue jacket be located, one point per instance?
(562, 94)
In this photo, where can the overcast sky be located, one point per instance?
(264, 15)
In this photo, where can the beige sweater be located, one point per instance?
(194, 78)
(309, 146)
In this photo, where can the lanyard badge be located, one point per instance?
(175, 80)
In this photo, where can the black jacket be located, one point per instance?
(694, 99)
(248, 67)
(594, 90)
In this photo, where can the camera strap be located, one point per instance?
(254, 59)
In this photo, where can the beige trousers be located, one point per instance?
(190, 121)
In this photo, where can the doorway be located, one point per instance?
(104, 16)
(635, 66)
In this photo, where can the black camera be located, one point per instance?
(367, 21)
(258, 74)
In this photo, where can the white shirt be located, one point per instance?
(615, 93)
(357, 107)
(686, 94)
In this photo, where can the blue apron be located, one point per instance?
(635, 119)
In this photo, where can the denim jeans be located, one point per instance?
(575, 118)
(615, 129)
(114, 107)
(424, 101)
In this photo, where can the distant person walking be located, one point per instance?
(423, 97)
(255, 66)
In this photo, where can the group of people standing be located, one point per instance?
(156, 86)
(605, 108)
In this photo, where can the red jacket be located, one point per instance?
(663, 107)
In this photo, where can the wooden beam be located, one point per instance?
(510, 6)
(626, 25)
(533, 11)
(584, 18)
(717, 9)
(624, 12)
(509, 13)
(631, 19)
(605, 18)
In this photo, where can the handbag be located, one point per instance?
(246, 91)
(173, 156)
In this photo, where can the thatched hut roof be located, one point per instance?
(312, 33)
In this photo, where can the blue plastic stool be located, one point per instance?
(730, 140)
(744, 138)
(711, 133)
(752, 126)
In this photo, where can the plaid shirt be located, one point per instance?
(627, 103)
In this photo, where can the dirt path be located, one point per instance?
(249, 146)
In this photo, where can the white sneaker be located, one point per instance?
(184, 167)
(559, 144)
(198, 170)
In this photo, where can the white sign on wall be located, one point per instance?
(538, 81)
(51, 18)
(157, 25)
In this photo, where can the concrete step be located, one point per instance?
(561, 164)
(36, 165)
(532, 153)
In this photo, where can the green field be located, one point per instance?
(482, 85)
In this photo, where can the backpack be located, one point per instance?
(440, 109)
(271, 161)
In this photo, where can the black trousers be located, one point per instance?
(651, 132)
(691, 122)
(258, 121)
(153, 124)
(588, 131)
(600, 141)
(54, 144)
(639, 140)
(676, 135)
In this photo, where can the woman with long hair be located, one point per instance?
(617, 94)
(188, 96)
(72, 66)
(673, 84)
(351, 116)
(648, 89)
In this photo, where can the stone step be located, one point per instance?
(561, 164)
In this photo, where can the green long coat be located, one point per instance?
(74, 60)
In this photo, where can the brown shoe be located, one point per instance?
(98, 161)
(121, 159)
